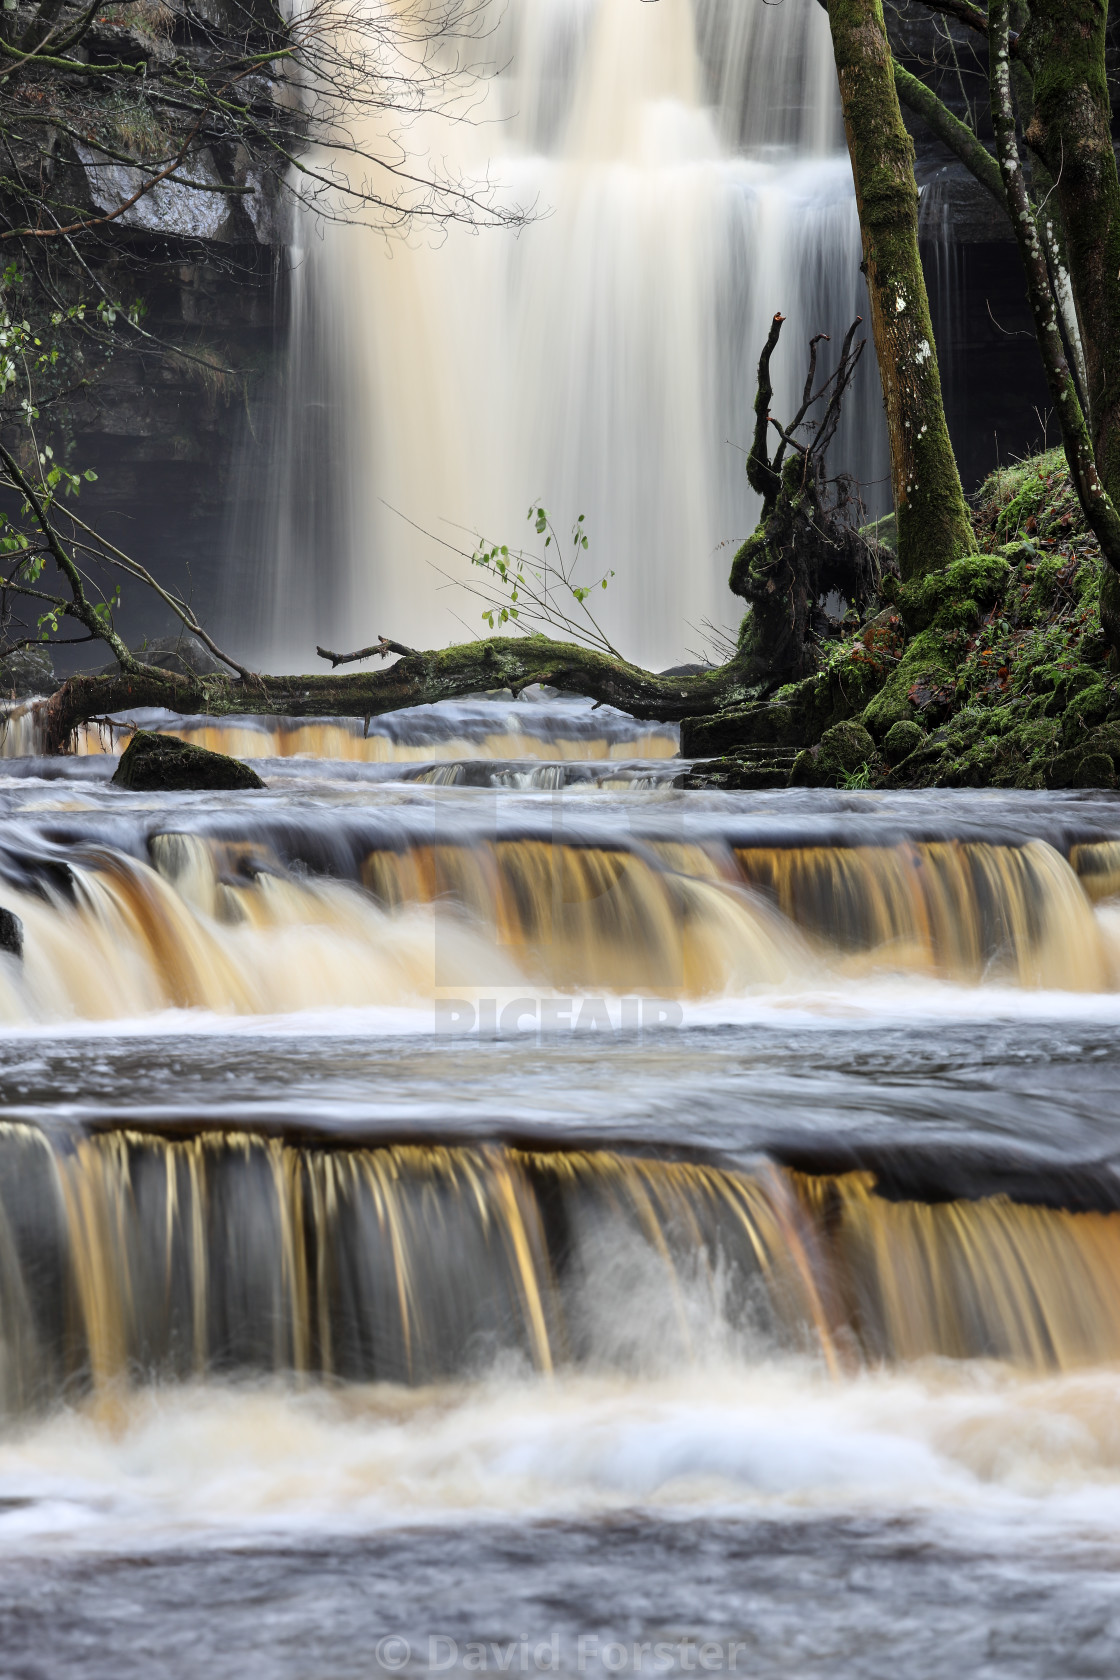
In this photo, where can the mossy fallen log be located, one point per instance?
(417, 679)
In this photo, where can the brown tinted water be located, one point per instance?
(502, 1213)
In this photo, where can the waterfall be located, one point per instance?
(127, 1255)
(428, 903)
(685, 183)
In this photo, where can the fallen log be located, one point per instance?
(416, 679)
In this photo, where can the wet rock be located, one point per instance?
(184, 654)
(154, 763)
(759, 767)
(27, 671)
(11, 933)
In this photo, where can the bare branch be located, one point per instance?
(381, 649)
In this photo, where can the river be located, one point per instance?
(473, 1206)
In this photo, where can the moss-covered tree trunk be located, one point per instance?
(1063, 47)
(418, 679)
(933, 523)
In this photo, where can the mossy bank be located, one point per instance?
(992, 673)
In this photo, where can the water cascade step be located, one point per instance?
(267, 909)
(127, 1256)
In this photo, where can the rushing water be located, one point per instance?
(469, 1213)
(686, 179)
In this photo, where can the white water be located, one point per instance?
(983, 1443)
(601, 362)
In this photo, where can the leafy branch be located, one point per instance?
(538, 590)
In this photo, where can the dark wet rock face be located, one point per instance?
(27, 671)
(186, 655)
(11, 933)
(161, 763)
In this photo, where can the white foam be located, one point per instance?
(978, 1444)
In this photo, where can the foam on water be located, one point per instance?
(210, 1463)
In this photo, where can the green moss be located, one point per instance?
(957, 597)
(844, 752)
(157, 763)
(901, 739)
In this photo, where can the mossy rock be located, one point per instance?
(1081, 769)
(154, 763)
(757, 725)
(957, 597)
(846, 746)
(844, 751)
(1095, 771)
(901, 739)
(1089, 703)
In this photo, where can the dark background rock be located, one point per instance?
(27, 671)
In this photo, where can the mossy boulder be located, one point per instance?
(154, 763)
(901, 739)
(956, 597)
(844, 751)
(1095, 771)
(1089, 703)
(1082, 768)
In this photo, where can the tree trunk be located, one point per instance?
(933, 523)
(1096, 503)
(417, 680)
(951, 131)
(1063, 47)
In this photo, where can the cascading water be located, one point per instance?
(683, 172)
(535, 1163)
(418, 1263)
(476, 1204)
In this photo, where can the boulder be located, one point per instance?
(844, 750)
(184, 654)
(11, 933)
(154, 763)
(901, 740)
(845, 747)
(27, 671)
